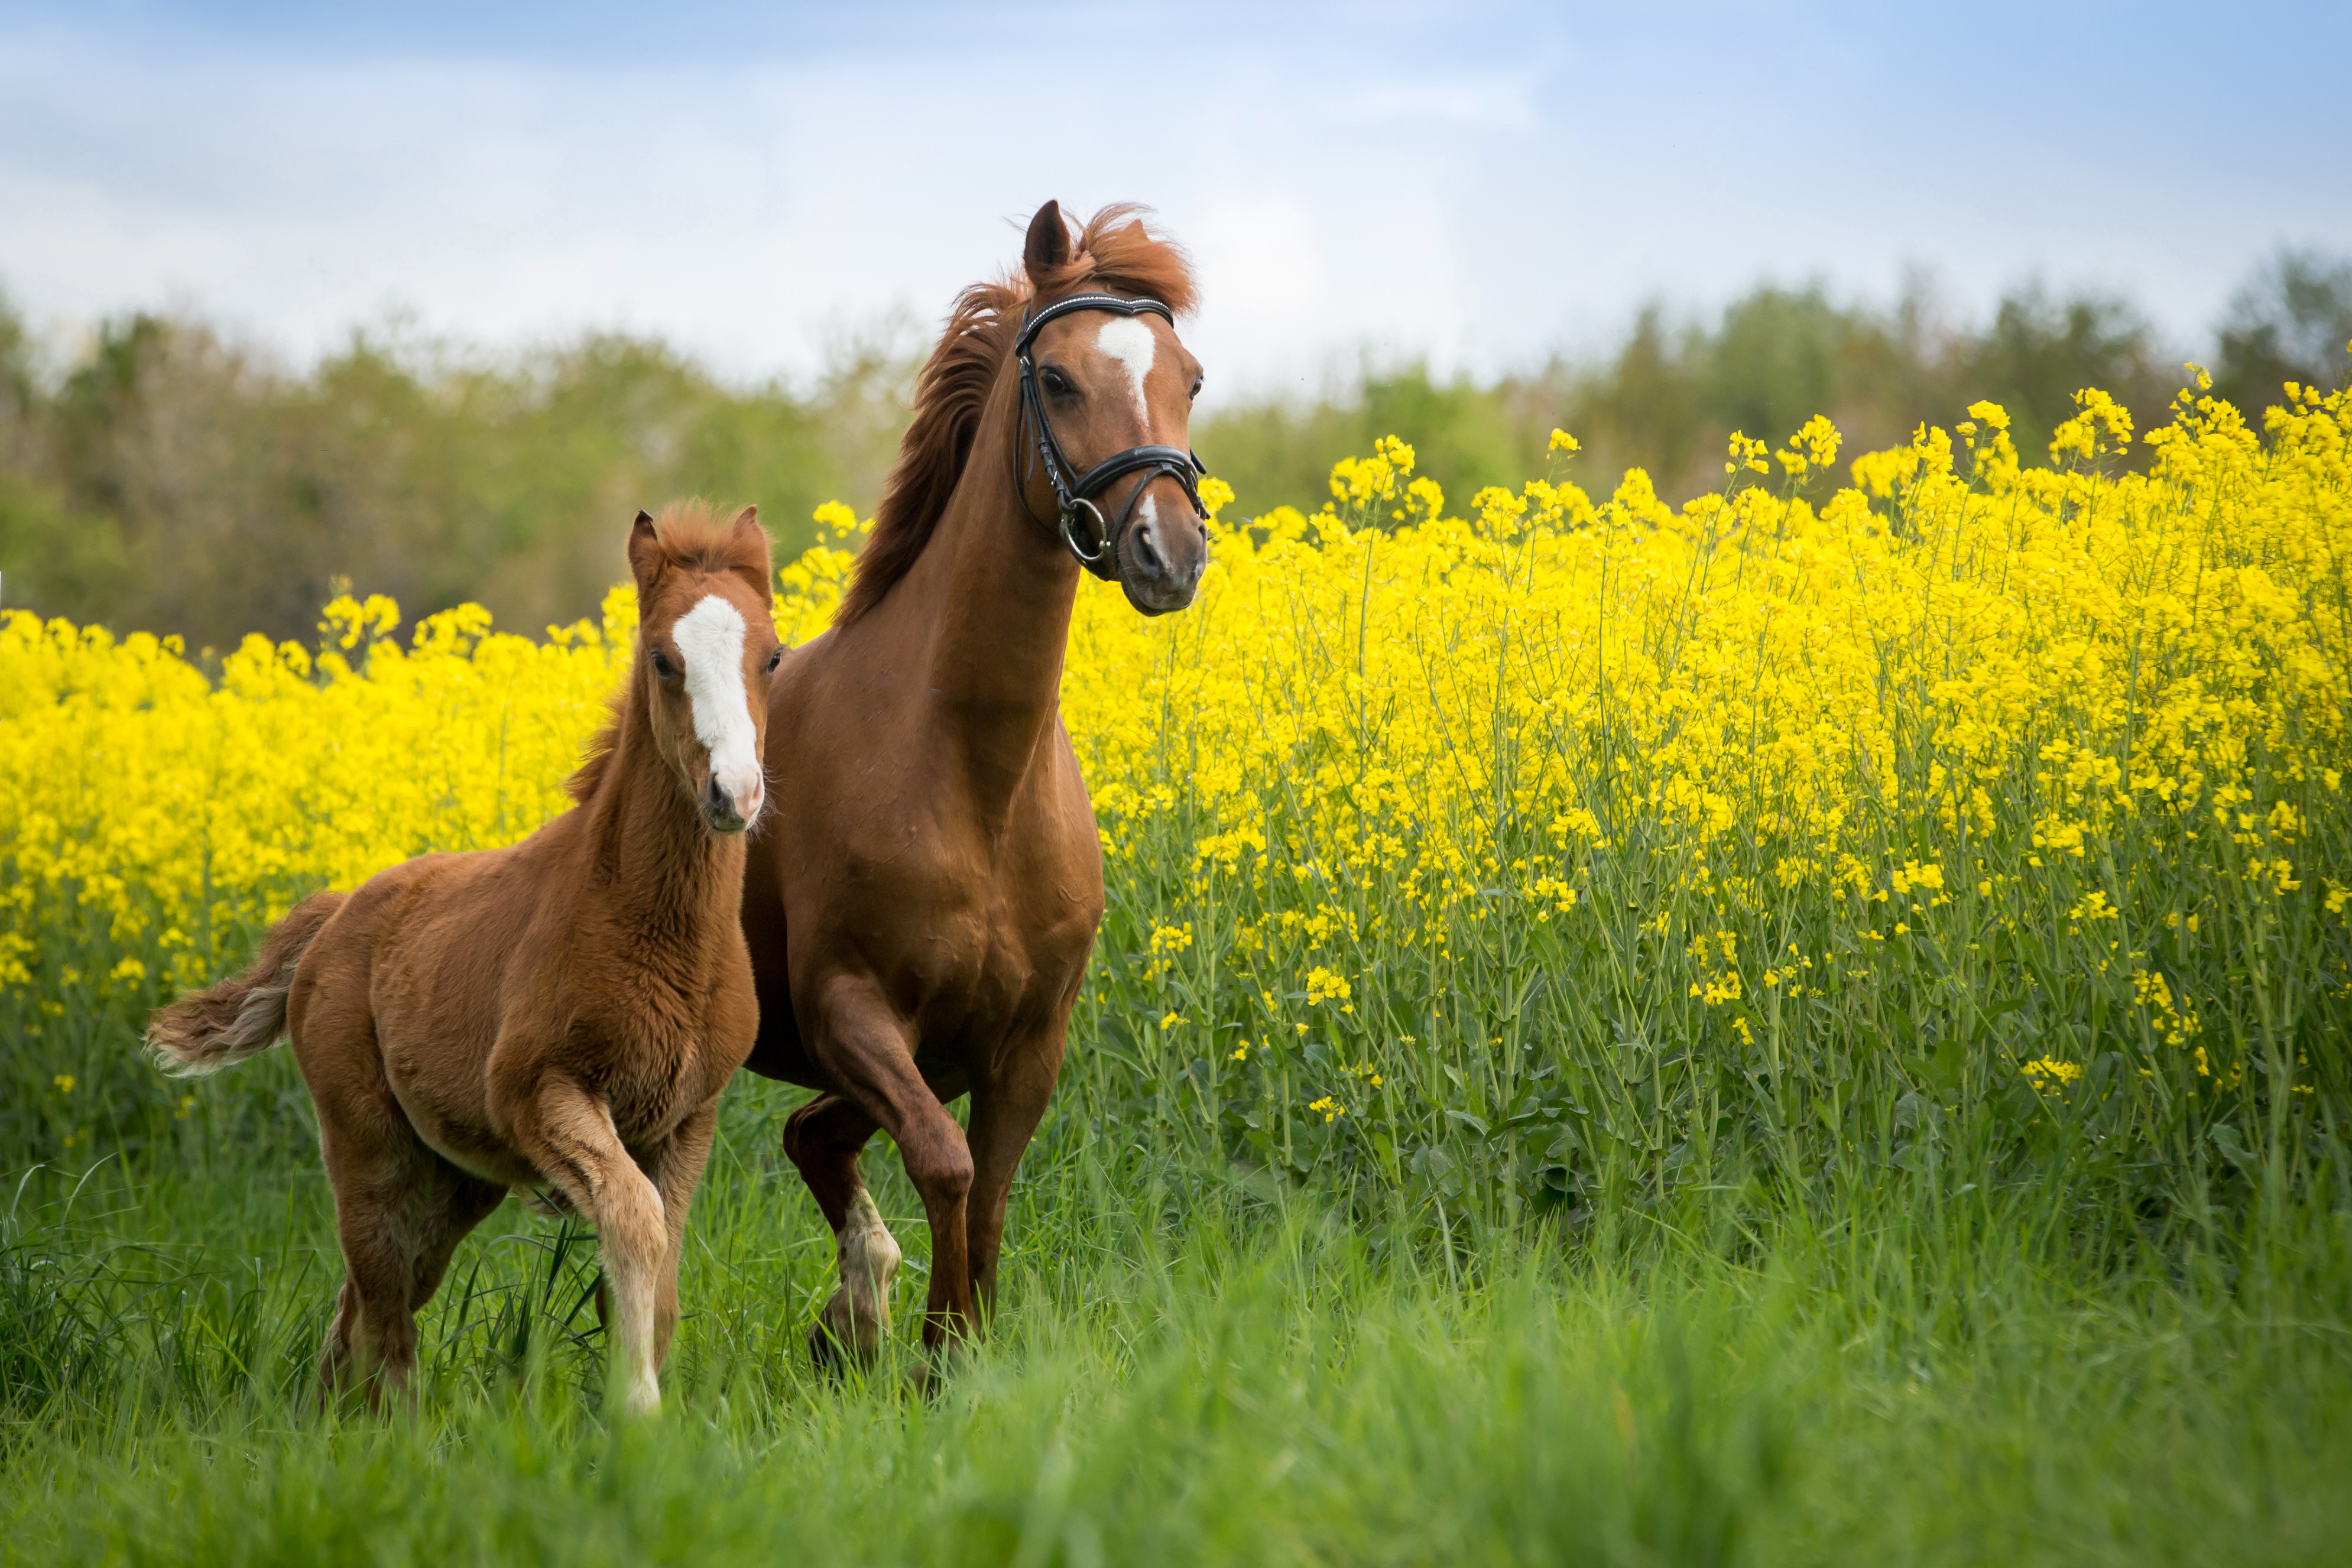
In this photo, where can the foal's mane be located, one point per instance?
(693, 538)
(1114, 253)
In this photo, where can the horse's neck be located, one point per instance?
(995, 593)
(662, 873)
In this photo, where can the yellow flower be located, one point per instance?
(2047, 1070)
(1398, 755)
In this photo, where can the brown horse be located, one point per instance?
(562, 1012)
(920, 917)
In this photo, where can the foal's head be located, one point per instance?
(706, 648)
(1113, 381)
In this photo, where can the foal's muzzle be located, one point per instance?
(724, 812)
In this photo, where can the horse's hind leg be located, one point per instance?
(864, 1047)
(823, 1138)
(568, 1133)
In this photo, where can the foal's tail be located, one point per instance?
(229, 1020)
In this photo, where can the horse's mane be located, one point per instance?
(1115, 252)
(693, 538)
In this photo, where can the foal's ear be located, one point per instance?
(646, 558)
(749, 541)
(1047, 249)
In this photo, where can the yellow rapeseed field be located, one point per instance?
(1481, 854)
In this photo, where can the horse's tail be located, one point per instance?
(229, 1020)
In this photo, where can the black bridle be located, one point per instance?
(1076, 496)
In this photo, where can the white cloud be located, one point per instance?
(1481, 202)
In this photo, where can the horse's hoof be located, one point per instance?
(937, 1367)
(827, 1352)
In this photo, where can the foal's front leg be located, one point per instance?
(676, 1173)
(568, 1133)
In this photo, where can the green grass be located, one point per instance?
(1193, 1365)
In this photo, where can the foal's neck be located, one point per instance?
(660, 869)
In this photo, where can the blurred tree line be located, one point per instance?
(170, 480)
(173, 481)
(1672, 393)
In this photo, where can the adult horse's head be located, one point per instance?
(1106, 396)
(707, 647)
(1057, 402)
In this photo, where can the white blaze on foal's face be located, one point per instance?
(710, 639)
(1129, 341)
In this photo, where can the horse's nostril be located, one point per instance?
(1146, 556)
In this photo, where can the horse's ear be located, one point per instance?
(646, 558)
(1047, 249)
(751, 558)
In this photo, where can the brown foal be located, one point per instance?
(920, 917)
(558, 1013)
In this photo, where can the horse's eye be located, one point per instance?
(1196, 386)
(1057, 382)
(662, 666)
(774, 659)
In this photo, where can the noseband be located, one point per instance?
(1076, 496)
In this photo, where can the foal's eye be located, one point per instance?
(774, 659)
(662, 666)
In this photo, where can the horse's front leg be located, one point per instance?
(1005, 1111)
(864, 1047)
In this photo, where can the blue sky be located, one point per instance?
(1481, 184)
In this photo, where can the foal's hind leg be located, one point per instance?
(823, 1138)
(400, 1212)
(379, 1170)
(568, 1133)
(379, 1173)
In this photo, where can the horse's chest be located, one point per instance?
(984, 971)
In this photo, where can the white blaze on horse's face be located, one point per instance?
(1127, 340)
(710, 639)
